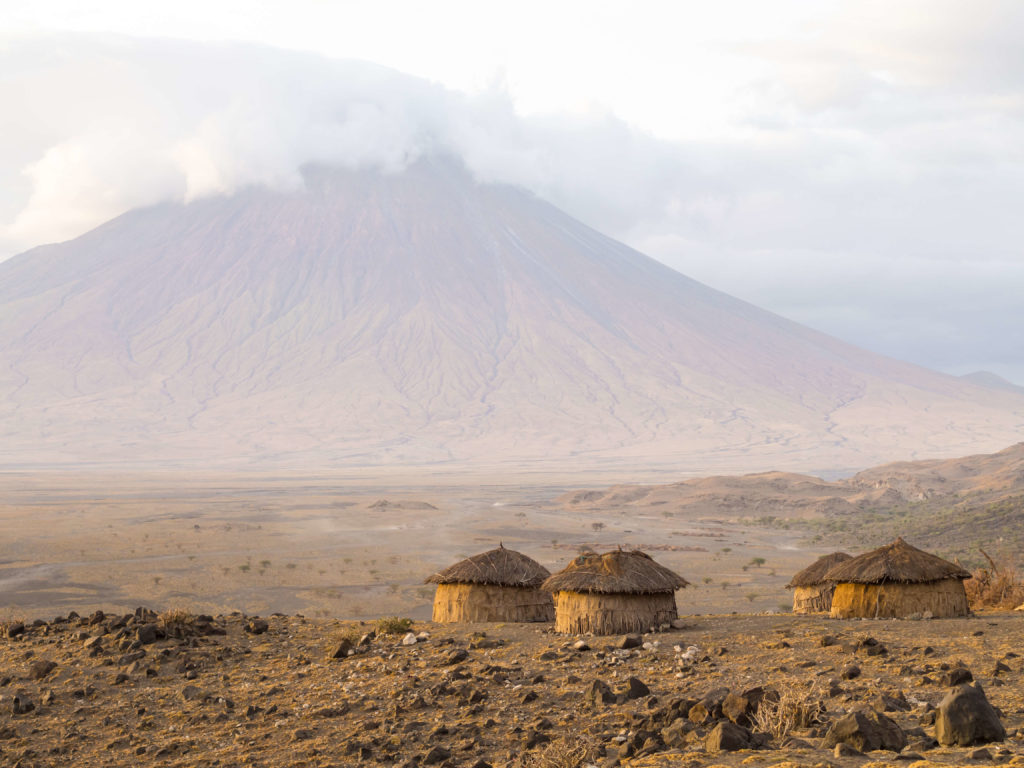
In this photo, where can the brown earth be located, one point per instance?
(180, 690)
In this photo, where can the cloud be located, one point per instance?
(868, 183)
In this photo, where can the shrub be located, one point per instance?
(998, 586)
(567, 752)
(781, 713)
(393, 625)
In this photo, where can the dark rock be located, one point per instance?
(631, 641)
(675, 734)
(966, 717)
(636, 689)
(302, 734)
(14, 629)
(828, 641)
(598, 694)
(191, 693)
(41, 669)
(737, 708)
(850, 672)
(435, 755)
(256, 626)
(727, 737)
(979, 754)
(866, 730)
(956, 676)
(341, 649)
(457, 656)
(21, 705)
(146, 634)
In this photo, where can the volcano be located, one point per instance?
(422, 319)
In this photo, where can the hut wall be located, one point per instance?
(816, 599)
(578, 613)
(489, 602)
(944, 599)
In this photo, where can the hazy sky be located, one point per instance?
(856, 166)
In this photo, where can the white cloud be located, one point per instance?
(866, 180)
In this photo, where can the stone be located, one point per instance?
(435, 755)
(737, 708)
(727, 737)
(636, 689)
(14, 629)
(845, 750)
(630, 641)
(146, 634)
(580, 645)
(866, 730)
(21, 705)
(41, 669)
(457, 656)
(93, 642)
(409, 639)
(598, 694)
(341, 650)
(850, 672)
(828, 641)
(191, 693)
(956, 677)
(256, 626)
(675, 734)
(965, 717)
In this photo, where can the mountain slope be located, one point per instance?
(420, 318)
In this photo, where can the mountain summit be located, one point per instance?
(421, 318)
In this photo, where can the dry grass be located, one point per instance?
(998, 586)
(791, 710)
(393, 625)
(569, 752)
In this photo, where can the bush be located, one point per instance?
(998, 586)
(569, 752)
(393, 625)
(782, 713)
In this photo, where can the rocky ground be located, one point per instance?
(185, 690)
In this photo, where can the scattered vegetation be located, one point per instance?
(997, 586)
(393, 625)
(781, 713)
(567, 752)
(175, 620)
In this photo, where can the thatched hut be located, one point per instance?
(613, 593)
(812, 593)
(499, 585)
(896, 581)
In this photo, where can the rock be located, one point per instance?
(93, 642)
(737, 708)
(146, 634)
(845, 750)
(41, 669)
(302, 734)
(956, 676)
(966, 717)
(435, 755)
(457, 656)
(828, 641)
(14, 629)
(256, 626)
(636, 689)
(598, 694)
(727, 737)
(191, 693)
(675, 734)
(850, 672)
(979, 754)
(341, 650)
(580, 645)
(866, 730)
(630, 641)
(678, 624)
(409, 639)
(21, 705)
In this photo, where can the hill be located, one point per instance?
(421, 319)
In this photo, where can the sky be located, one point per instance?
(854, 166)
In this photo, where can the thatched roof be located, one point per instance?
(618, 572)
(896, 562)
(502, 567)
(814, 574)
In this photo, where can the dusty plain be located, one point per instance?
(353, 549)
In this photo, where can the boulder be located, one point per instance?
(866, 730)
(727, 737)
(598, 694)
(966, 717)
(630, 641)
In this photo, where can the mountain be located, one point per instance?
(992, 381)
(958, 506)
(422, 319)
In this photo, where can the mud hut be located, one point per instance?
(499, 585)
(897, 581)
(612, 593)
(812, 593)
